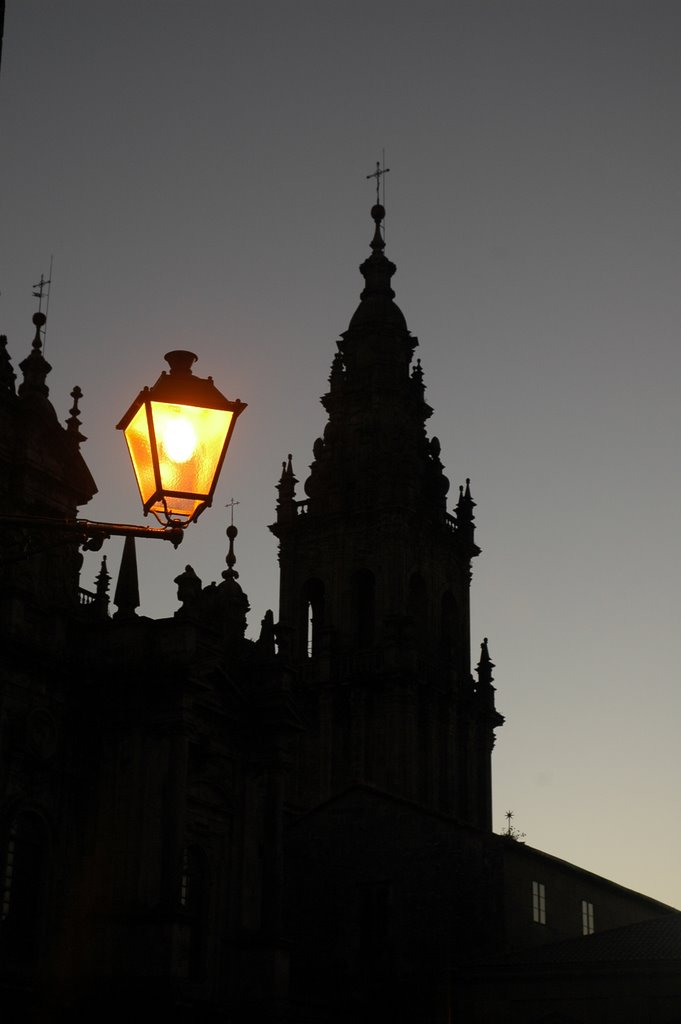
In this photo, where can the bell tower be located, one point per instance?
(375, 582)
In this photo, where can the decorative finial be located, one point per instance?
(103, 577)
(286, 503)
(39, 320)
(230, 572)
(465, 505)
(102, 582)
(511, 831)
(378, 210)
(35, 367)
(38, 293)
(73, 422)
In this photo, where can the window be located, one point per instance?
(587, 918)
(313, 616)
(309, 629)
(539, 902)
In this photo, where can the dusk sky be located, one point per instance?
(197, 172)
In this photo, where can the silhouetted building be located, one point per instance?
(296, 828)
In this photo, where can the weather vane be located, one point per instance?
(378, 174)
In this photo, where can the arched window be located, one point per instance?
(24, 886)
(193, 889)
(365, 608)
(313, 616)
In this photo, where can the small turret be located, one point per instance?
(102, 583)
(485, 666)
(465, 520)
(286, 503)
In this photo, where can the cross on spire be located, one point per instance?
(378, 174)
(40, 288)
(230, 505)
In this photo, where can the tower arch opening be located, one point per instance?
(312, 602)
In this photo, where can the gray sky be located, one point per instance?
(198, 174)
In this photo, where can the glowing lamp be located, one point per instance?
(177, 433)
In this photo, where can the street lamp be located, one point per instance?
(177, 433)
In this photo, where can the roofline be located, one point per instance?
(568, 865)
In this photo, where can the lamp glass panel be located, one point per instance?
(189, 444)
(139, 446)
(182, 509)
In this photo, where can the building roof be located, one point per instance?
(658, 939)
(523, 850)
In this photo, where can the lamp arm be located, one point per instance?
(92, 535)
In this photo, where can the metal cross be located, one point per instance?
(230, 505)
(40, 289)
(378, 174)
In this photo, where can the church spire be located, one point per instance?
(376, 300)
(377, 269)
(375, 579)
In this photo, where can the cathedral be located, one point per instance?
(298, 828)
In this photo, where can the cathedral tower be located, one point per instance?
(375, 578)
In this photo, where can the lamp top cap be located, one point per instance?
(180, 361)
